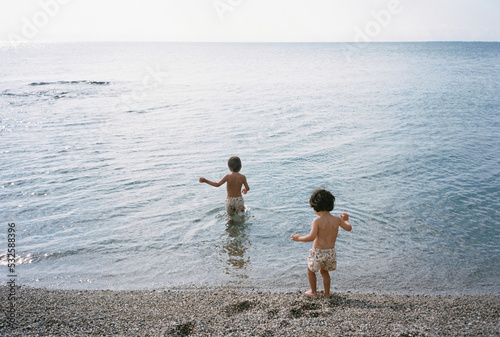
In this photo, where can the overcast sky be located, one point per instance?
(250, 20)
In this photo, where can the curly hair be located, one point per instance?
(322, 200)
(234, 164)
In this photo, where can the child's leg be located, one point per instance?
(326, 281)
(312, 282)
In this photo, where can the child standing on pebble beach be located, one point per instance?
(235, 180)
(324, 231)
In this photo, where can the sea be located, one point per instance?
(102, 145)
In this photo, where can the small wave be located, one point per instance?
(37, 257)
(198, 229)
(71, 82)
(50, 93)
(7, 93)
(4, 261)
(55, 94)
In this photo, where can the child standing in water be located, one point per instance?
(235, 180)
(324, 231)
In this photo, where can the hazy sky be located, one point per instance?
(250, 20)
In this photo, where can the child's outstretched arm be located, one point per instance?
(213, 183)
(309, 237)
(344, 222)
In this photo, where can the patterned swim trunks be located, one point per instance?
(234, 205)
(322, 258)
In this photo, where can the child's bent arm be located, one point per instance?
(346, 225)
(247, 188)
(344, 222)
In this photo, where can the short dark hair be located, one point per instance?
(234, 164)
(322, 200)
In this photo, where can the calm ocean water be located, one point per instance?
(102, 145)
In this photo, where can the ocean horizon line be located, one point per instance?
(250, 42)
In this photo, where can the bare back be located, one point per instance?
(328, 229)
(235, 181)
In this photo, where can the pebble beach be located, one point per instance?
(225, 311)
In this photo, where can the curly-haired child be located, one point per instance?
(324, 232)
